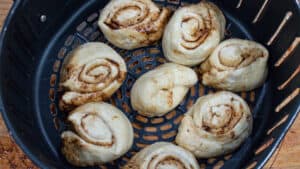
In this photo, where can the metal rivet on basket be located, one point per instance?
(43, 18)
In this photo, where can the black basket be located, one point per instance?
(38, 35)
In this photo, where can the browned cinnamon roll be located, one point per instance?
(163, 155)
(92, 72)
(193, 32)
(102, 133)
(130, 24)
(236, 65)
(215, 125)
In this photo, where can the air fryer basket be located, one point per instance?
(38, 35)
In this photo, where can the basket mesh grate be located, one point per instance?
(139, 61)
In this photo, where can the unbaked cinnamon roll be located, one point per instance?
(163, 155)
(92, 72)
(101, 133)
(192, 33)
(160, 90)
(130, 24)
(236, 65)
(215, 125)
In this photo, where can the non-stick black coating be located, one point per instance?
(29, 48)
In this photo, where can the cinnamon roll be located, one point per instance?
(162, 155)
(160, 90)
(215, 125)
(236, 65)
(101, 133)
(130, 24)
(193, 32)
(92, 72)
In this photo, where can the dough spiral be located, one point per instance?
(236, 65)
(102, 133)
(193, 32)
(160, 90)
(130, 24)
(162, 155)
(215, 125)
(92, 72)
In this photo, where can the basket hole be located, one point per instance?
(136, 126)
(147, 59)
(277, 124)
(87, 32)
(141, 119)
(169, 135)
(149, 66)
(56, 66)
(92, 17)
(193, 91)
(53, 80)
(165, 127)
(53, 109)
(141, 145)
(128, 93)
(52, 94)
(151, 129)
(128, 58)
(211, 160)
(126, 108)
(69, 40)
(227, 157)
(119, 95)
(138, 70)
(62, 52)
(134, 64)
(189, 104)
(171, 114)
(154, 51)
(157, 120)
(201, 90)
(150, 138)
(56, 123)
(219, 164)
(243, 95)
(81, 26)
(94, 36)
(138, 52)
(251, 165)
(265, 145)
(202, 165)
(161, 60)
(113, 102)
(178, 119)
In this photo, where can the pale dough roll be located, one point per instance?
(215, 125)
(160, 90)
(102, 133)
(193, 32)
(130, 24)
(163, 155)
(236, 65)
(92, 72)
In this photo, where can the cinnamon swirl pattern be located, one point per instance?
(162, 155)
(215, 125)
(160, 90)
(236, 65)
(130, 24)
(102, 133)
(92, 72)
(192, 33)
